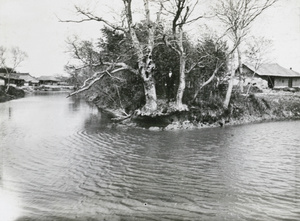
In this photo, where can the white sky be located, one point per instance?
(33, 26)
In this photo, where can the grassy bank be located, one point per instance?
(268, 106)
(208, 111)
(274, 105)
(12, 93)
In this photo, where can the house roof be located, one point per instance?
(273, 70)
(48, 78)
(14, 76)
(20, 76)
(28, 78)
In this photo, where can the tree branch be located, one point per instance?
(208, 81)
(168, 43)
(196, 64)
(88, 83)
(90, 17)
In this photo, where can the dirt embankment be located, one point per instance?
(12, 93)
(280, 105)
(267, 106)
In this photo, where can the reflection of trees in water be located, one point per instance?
(96, 121)
(9, 112)
(75, 104)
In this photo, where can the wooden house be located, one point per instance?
(19, 79)
(48, 80)
(273, 75)
(29, 80)
(13, 78)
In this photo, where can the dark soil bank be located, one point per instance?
(12, 93)
(274, 105)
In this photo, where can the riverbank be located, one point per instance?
(271, 106)
(19, 92)
(12, 93)
(244, 109)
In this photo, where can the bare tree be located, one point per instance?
(10, 59)
(238, 16)
(182, 15)
(257, 54)
(143, 51)
(86, 58)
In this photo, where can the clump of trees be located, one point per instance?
(135, 62)
(10, 59)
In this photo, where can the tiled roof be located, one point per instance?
(273, 70)
(20, 76)
(29, 78)
(14, 76)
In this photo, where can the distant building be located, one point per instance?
(13, 78)
(28, 79)
(272, 76)
(18, 79)
(48, 80)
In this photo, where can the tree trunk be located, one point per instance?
(146, 69)
(150, 96)
(181, 86)
(229, 89)
(240, 69)
(145, 62)
(182, 63)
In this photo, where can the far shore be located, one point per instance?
(20, 92)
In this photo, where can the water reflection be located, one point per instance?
(64, 163)
(75, 104)
(9, 112)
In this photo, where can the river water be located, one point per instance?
(60, 162)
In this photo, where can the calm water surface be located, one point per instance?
(60, 162)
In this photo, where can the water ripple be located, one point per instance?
(85, 171)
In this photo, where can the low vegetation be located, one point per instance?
(12, 93)
(208, 110)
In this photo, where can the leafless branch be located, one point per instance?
(88, 16)
(88, 83)
(169, 44)
(196, 64)
(218, 66)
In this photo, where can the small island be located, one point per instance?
(268, 95)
